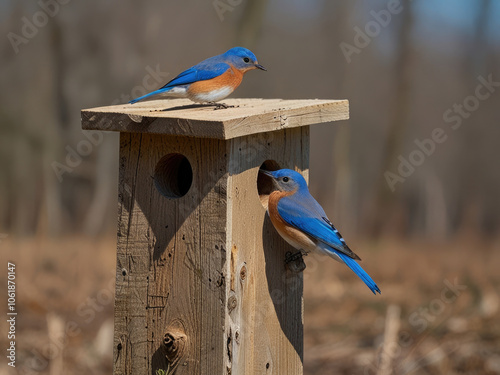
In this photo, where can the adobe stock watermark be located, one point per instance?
(421, 321)
(75, 154)
(363, 37)
(223, 6)
(453, 116)
(32, 25)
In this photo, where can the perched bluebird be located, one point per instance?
(211, 80)
(303, 223)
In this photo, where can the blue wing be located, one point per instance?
(304, 213)
(201, 72)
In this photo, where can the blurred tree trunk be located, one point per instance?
(471, 210)
(250, 23)
(335, 22)
(477, 54)
(55, 135)
(383, 212)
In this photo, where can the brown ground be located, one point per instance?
(65, 289)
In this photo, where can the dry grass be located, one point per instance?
(64, 291)
(441, 331)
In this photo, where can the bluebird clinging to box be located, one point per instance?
(211, 80)
(303, 223)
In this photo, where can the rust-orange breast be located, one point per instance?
(231, 78)
(292, 235)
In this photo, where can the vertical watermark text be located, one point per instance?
(11, 314)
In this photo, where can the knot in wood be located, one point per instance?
(174, 343)
(243, 273)
(232, 302)
(171, 345)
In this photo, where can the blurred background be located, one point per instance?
(411, 180)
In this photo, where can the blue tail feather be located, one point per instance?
(148, 95)
(356, 268)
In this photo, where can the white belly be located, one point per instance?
(327, 250)
(301, 241)
(175, 92)
(212, 96)
(297, 239)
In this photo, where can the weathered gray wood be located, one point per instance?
(266, 326)
(183, 117)
(209, 261)
(201, 284)
(171, 254)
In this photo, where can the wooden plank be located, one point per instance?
(182, 117)
(265, 326)
(170, 258)
(209, 262)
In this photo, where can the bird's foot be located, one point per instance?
(295, 262)
(221, 105)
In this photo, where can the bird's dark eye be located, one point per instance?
(246, 59)
(285, 179)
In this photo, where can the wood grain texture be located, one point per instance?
(209, 262)
(171, 254)
(265, 329)
(208, 267)
(183, 117)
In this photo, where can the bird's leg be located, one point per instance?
(295, 262)
(221, 105)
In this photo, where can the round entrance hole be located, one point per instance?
(173, 175)
(265, 183)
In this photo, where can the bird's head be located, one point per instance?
(286, 179)
(243, 59)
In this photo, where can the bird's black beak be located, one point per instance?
(273, 181)
(258, 66)
(267, 173)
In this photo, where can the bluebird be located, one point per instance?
(303, 223)
(211, 80)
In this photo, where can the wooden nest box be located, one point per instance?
(201, 286)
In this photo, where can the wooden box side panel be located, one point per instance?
(170, 258)
(265, 323)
